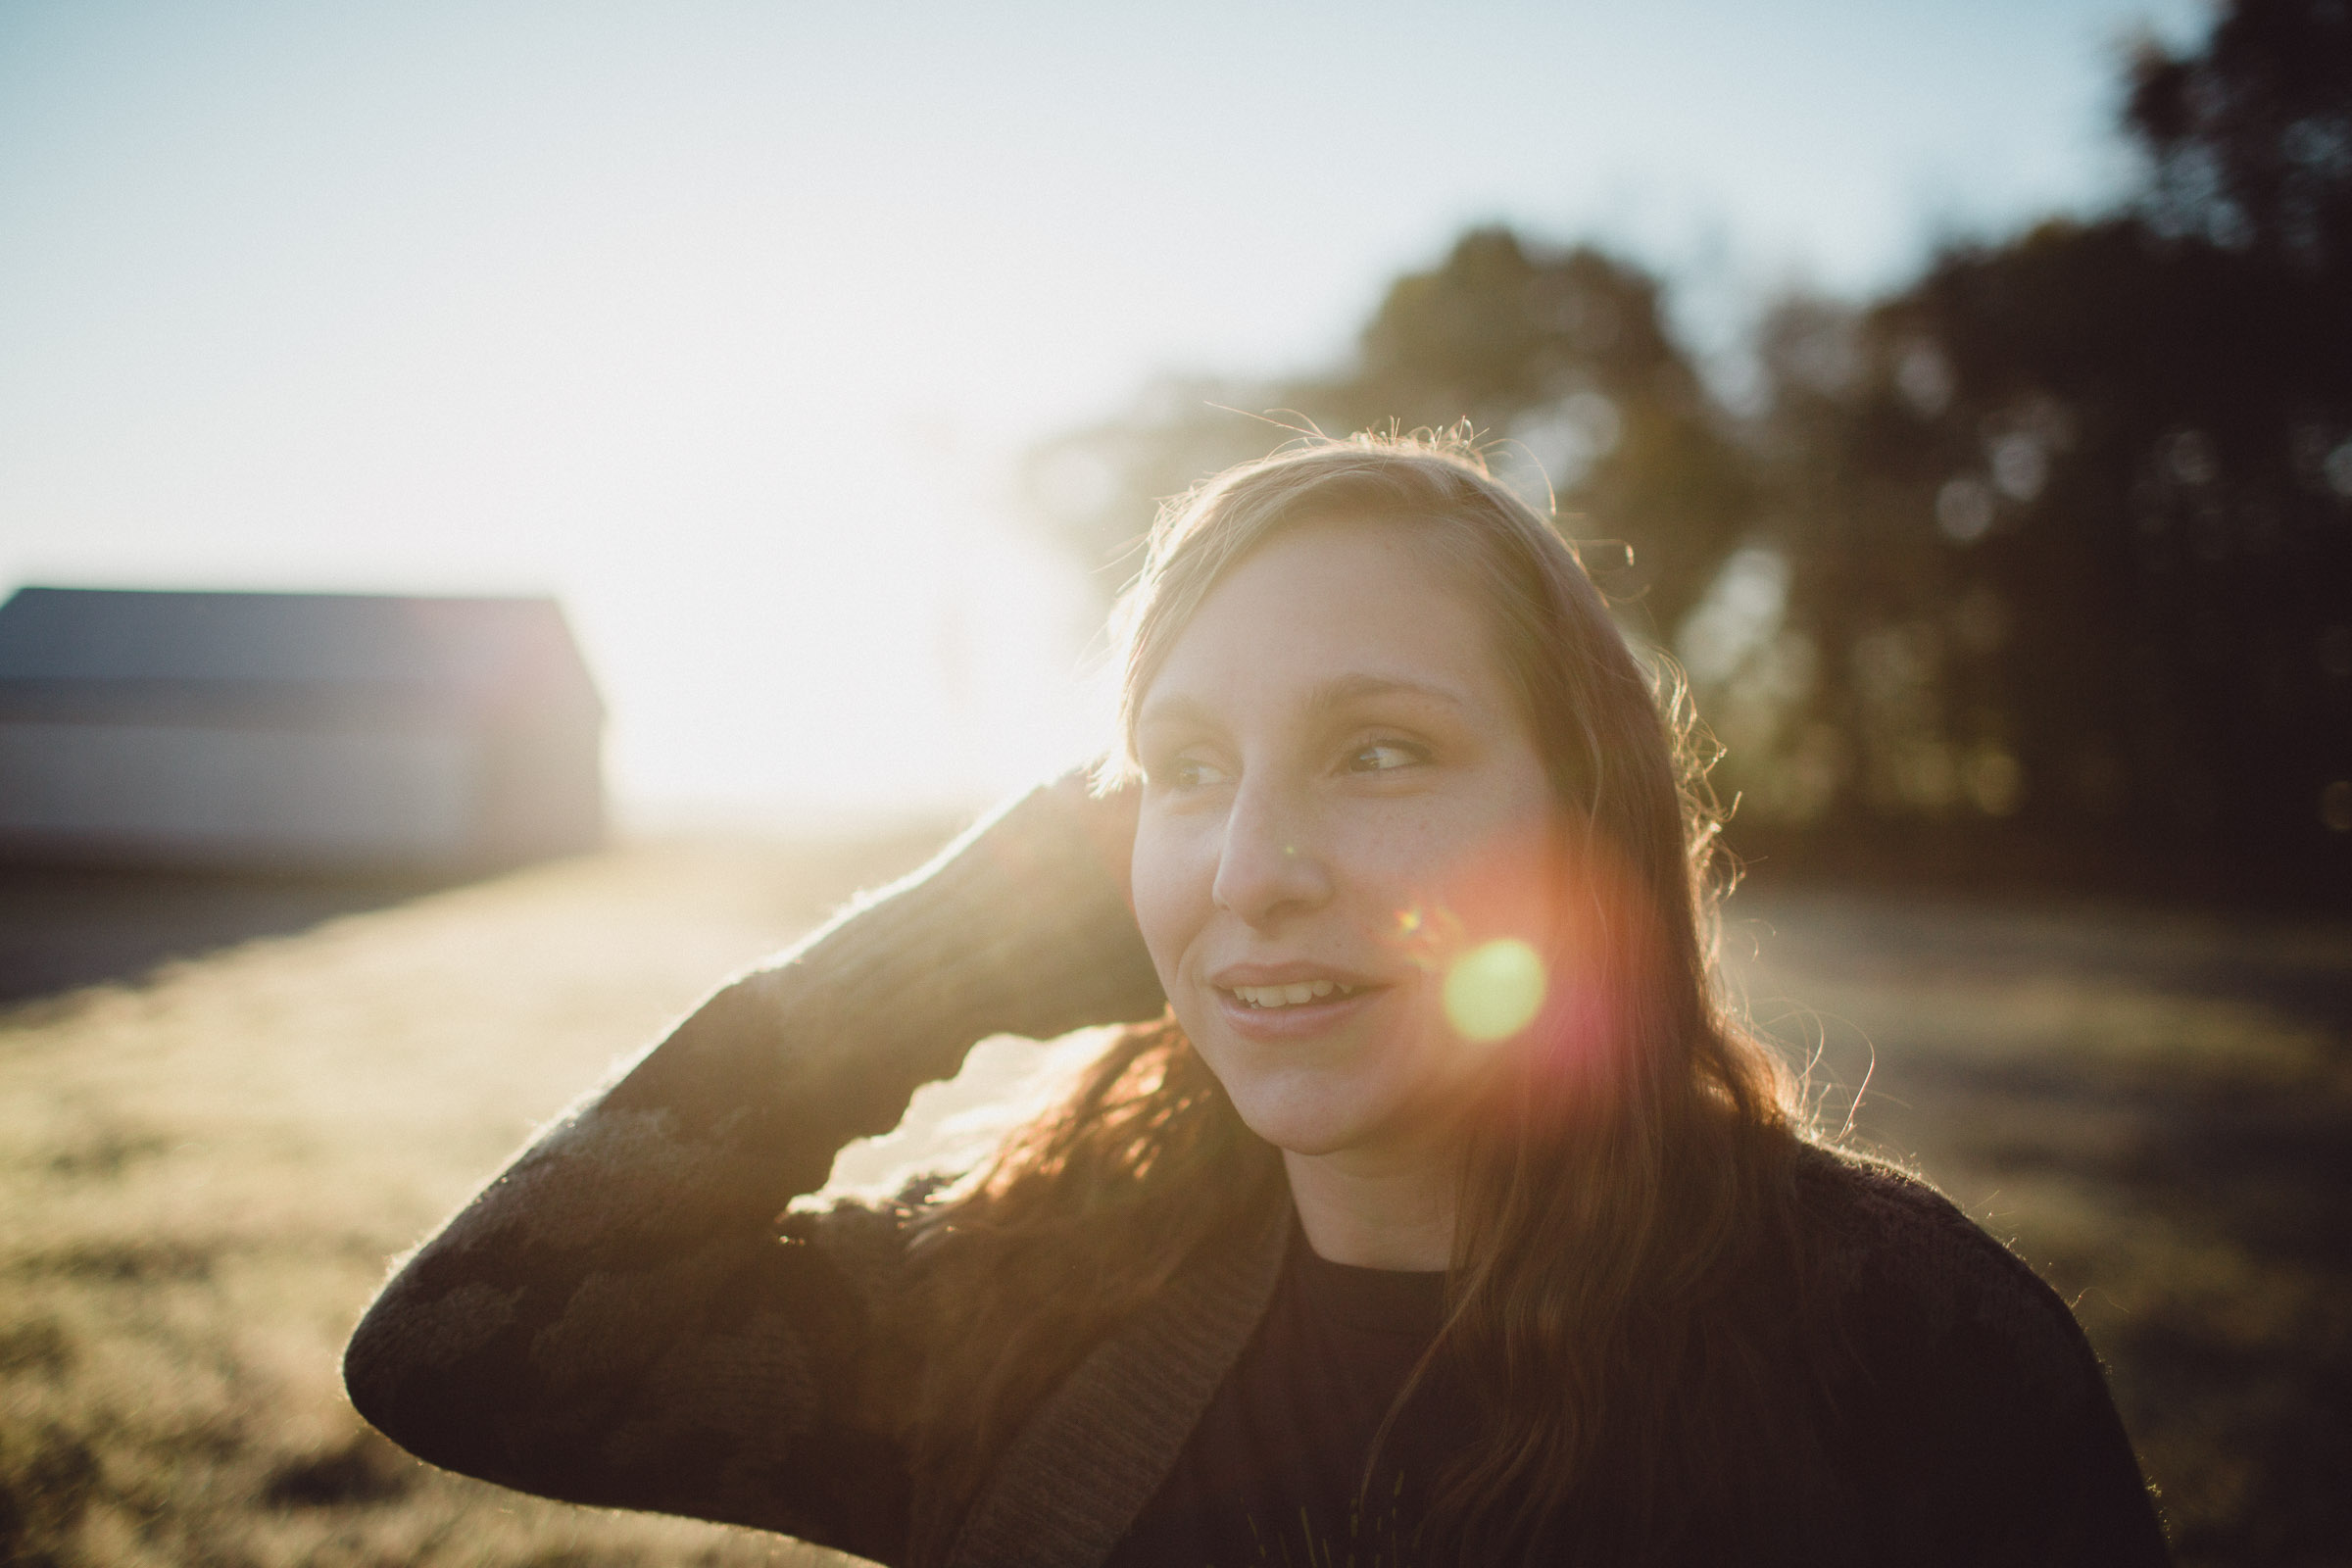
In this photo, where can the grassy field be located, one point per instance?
(2155, 1109)
(203, 1174)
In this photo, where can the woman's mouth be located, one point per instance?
(1295, 995)
(1275, 1006)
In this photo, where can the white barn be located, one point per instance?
(294, 732)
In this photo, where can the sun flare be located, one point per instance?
(1494, 990)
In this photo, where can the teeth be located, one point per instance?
(1291, 996)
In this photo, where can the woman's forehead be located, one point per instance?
(1329, 609)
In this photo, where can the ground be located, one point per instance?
(205, 1169)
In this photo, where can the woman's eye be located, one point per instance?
(1187, 773)
(1383, 755)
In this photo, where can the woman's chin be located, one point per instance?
(1306, 1143)
(1315, 1131)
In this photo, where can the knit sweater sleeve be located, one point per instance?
(617, 1320)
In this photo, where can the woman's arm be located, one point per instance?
(614, 1320)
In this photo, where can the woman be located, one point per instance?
(1431, 1211)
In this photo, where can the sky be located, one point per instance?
(728, 320)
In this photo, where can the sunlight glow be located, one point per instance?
(730, 323)
(1494, 990)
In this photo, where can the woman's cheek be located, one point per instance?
(1480, 900)
(1171, 892)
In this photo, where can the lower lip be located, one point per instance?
(1300, 1021)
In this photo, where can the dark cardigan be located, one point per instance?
(614, 1320)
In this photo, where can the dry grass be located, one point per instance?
(203, 1175)
(202, 1178)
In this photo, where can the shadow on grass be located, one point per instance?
(2153, 1103)
(62, 928)
(2237, 1376)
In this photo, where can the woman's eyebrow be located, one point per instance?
(1345, 691)
(1176, 708)
(1322, 701)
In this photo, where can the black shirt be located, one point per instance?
(1270, 1475)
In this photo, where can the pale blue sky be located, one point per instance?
(724, 319)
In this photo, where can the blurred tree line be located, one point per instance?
(2039, 568)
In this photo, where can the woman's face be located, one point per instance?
(1343, 866)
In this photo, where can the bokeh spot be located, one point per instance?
(1493, 990)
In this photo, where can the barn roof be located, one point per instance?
(348, 656)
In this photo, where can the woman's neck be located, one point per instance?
(1391, 1210)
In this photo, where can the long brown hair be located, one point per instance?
(1620, 1297)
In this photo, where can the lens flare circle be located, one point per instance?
(1494, 990)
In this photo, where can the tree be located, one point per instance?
(1561, 356)
(2065, 525)
(2051, 550)
(2250, 140)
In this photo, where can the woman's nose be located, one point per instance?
(1268, 865)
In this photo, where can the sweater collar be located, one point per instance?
(1073, 1481)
